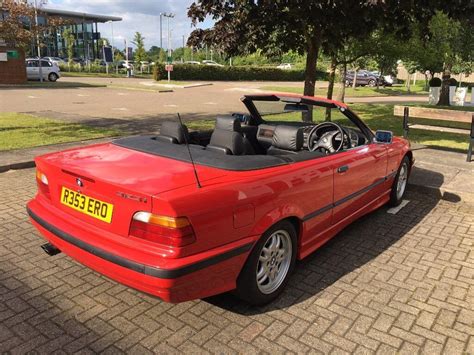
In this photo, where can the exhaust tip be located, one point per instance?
(50, 249)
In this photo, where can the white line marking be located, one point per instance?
(32, 97)
(171, 105)
(82, 95)
(210, 103)
(121, 94)
(395, 210)
(120, 108)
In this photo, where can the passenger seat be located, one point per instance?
(227, 138)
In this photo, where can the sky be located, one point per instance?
(137, 15)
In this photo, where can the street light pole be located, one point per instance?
(168, 60)
(182, 60)
(113, 46)
(38, 43)
(161, 31)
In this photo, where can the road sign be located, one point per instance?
(13, 54)
(169, 67)
(107, 54)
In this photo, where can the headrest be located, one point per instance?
(288, 138)
(228, 123)
(174, 130)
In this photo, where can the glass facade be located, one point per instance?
(82, 26)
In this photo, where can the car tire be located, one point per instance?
(52, 77)
(400, 183)
(348, 83)
(372, 83)
(269, 265)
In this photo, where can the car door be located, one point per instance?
(359, 176)
(46, 68)
(32, 70)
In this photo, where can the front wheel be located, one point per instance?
(372, 83)
(269, 266)
(400, 183)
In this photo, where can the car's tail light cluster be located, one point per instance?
(170, 231)
(43, 183)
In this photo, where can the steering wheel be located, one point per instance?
(326, 140)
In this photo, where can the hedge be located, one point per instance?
(215, 73)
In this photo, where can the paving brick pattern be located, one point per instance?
(399, 283)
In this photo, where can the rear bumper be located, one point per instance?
(207, 274)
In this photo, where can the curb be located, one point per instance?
(196, 85)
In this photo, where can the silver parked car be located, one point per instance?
(49, 69)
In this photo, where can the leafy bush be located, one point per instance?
(215, 73)
(435, 82)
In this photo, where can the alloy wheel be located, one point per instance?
(274, 261)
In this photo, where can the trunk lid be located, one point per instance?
(124, 178)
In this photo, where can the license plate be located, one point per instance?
(87, 205)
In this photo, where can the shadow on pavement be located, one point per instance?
(353, 248)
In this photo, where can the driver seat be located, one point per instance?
(286, 140)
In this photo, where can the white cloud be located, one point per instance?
(138, 16)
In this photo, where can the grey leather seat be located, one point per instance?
(286, 140)
(173, 132)
(227, 138)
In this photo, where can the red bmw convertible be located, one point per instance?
(184, 215)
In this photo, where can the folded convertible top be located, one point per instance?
(148, 144)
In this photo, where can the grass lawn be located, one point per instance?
(377, 116)
(18, 130)
(360, 91)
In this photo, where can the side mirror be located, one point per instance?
(384, 137)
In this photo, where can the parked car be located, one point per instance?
(49, 70)
(386, 80)
(364, 77)
(233, 209)
(211, 62)
(285, 66)
(55, 60)
(193, 62)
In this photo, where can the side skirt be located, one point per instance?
(318, 240)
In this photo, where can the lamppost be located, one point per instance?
(113, 46)
(38, 39)
(168, 59)
(161, 31)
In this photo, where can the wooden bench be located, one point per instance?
(437, 115)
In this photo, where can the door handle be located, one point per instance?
(343, 169)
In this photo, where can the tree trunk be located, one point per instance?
(408, 82)
(332, 78)
(310, 75)
(342, 93)
(444, 94)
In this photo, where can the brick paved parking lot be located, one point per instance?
(399, 283)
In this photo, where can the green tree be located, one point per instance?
(69, 41)
(140, 52)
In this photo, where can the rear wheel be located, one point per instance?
(269, 266)
(348, 83)
(400, 183)
(53, 77)
(372, 83)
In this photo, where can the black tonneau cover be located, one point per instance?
(148, 144)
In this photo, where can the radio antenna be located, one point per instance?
(189, 151)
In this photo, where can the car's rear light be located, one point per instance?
(170, 231)
(43, 183)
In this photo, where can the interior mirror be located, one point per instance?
(383, 136)
(296, 107)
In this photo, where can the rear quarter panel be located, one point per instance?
(246, 204)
